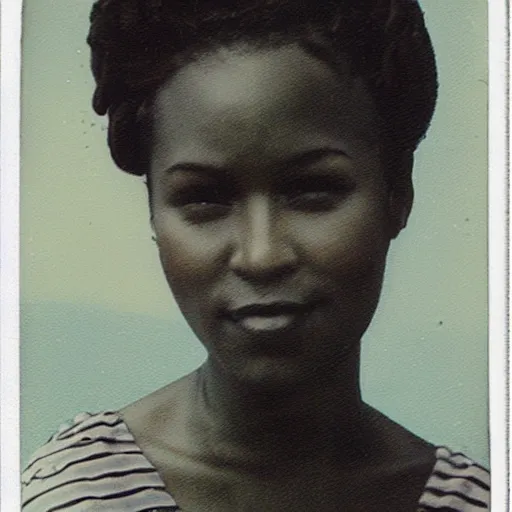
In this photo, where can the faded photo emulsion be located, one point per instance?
(254, 256)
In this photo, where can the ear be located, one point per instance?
(401, 195)
(152, 227)
(150, 206)
(153, 234)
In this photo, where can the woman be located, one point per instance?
(277, 139)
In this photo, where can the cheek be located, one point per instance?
(350, 255)
(190, 258)
(350, 242)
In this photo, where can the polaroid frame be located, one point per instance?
(499, 233)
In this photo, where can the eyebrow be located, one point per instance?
(301, 159)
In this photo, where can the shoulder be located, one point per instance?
(456, 483)
(92, 463)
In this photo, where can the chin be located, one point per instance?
(266, 374)
(278, 376)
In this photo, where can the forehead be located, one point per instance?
(261, 101)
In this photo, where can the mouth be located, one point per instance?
(271, 317)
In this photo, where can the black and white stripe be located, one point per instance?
(457, 484)
(93, 465)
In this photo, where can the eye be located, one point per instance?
(317, 193)
(203, 203)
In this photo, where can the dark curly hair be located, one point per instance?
(136, 45)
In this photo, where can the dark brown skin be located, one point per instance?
(267, 185)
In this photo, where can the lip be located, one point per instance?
(269, 309)
(269, 317)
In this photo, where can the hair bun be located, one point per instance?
(137, 44)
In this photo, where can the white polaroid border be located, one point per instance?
(10, 45)
(500, 252)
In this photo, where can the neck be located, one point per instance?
(321, 416)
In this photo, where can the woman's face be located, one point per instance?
(270, 209)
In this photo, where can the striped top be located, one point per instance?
(93, 464)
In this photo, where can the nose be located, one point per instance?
(262, 249)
